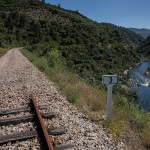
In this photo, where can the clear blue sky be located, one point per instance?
(126, 13)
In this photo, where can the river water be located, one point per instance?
(137, 74)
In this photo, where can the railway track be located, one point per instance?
(37, 117)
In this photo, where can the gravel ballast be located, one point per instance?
(18, 80)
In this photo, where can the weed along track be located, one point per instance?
(66, 125)
(40, 130)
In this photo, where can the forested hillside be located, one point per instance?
(132, 38)
(88, 48)
(19, 3)
(143, 32)
(144, 48)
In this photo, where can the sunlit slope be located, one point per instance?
(89, 48)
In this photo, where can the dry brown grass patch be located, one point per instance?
(81, 94)
(91, 97)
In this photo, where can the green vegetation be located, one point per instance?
(144, 48)
(143, 32)
(19, 3)
(129, 123)
(75, 52)
(90, 49)
(2, 53)
(132, 38)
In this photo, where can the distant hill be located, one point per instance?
(143, 32)
(89, 48)
(144, 48)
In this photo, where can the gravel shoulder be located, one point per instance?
(19, 79)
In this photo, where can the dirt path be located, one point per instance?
(18, 79)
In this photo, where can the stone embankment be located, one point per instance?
(18, 80)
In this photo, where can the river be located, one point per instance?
(137, 74)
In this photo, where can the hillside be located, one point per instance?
(143, 32)
(144, 48)
(88, 48)
(19, 3)
(132, 38)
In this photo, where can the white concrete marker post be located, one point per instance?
(110, 81)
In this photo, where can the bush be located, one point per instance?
(55, 59)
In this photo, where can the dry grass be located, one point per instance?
(83, 95)
(3, 51)
(43, 14)
(90, 97)
(120, 127)
(146, 138)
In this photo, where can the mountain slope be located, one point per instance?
(89, 48)
(133, 39)
(144, 48)
(143, 32)
(19, 3)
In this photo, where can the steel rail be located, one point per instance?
(48, 141)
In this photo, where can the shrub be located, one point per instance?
(55, 59)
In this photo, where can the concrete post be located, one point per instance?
(109, 102)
